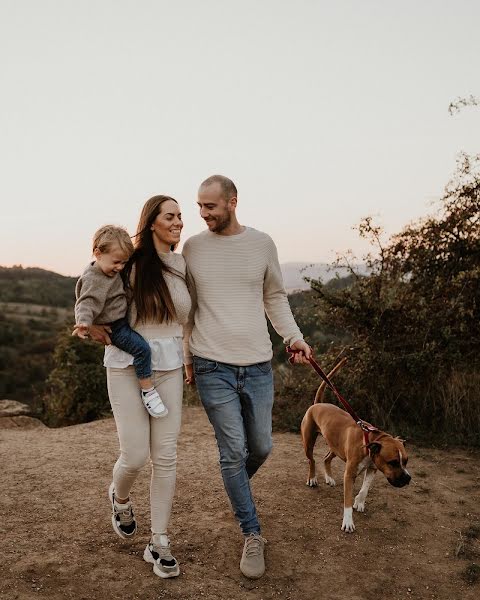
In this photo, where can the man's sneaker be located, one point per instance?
(153, 403)
(123, 519)
(252, 564)
(158, 553)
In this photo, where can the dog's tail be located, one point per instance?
(321, 390)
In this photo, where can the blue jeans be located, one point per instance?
(130, 341)
(238, 402)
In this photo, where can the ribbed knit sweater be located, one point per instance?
(233, 281)
(100, 299)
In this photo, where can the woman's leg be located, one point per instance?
(133, 428)
(163, 447)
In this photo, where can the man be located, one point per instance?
(234, 278)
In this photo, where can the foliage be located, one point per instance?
(27, 342)
(76, 390)
(36, 286)
(415, 320)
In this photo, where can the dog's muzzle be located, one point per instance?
(401, 481)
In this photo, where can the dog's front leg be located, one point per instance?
(360, 498)
(348, 481)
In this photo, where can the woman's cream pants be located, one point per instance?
(142, 437)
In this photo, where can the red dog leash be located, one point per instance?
(365, 427)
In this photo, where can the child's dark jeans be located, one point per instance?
(130, 341)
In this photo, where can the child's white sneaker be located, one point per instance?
(153, 403)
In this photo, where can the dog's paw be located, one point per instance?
(312, 482)
(347, 524)
(359, 505)
(330, 480)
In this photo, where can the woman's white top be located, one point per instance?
(165, 339)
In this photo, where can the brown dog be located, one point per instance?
(345, 440)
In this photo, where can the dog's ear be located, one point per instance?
(374, 448)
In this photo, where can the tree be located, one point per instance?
(415, 320)
(76, 390)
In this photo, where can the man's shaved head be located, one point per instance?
(227, 186)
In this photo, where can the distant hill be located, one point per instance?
(294, 272)
(34, 305)
(32, 285)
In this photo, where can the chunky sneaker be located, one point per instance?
(158, 553)
(153, 403)
(252, 564)
(123, 519)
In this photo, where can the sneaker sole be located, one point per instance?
(160, 416)
(116, 529)
(147, 557)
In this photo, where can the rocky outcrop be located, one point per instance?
(13, 408)
(20, 422)
(14, 415)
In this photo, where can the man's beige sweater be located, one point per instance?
(233, 281)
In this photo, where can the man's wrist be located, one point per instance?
(295, 339)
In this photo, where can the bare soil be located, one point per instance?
(56, 538)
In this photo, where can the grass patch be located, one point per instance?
(471, 574)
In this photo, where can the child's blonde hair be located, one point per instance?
(110, 235)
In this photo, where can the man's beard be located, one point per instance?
(221, 223)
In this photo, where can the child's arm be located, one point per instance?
(91, 297)
(97, 333)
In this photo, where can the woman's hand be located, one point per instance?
(98, 333)
(189, 375)
(81, 330)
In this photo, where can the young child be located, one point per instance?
(101, 300)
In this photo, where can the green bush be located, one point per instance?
(415, 321)
(76, 389)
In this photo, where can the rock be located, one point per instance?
(13, 408)
(20, 422)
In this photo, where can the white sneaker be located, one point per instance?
(153, 403)
(158, 553)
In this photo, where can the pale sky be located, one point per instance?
(321, 112)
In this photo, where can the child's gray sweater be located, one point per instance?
(100, 299)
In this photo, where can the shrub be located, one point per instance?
(415, 320)
(76, 390)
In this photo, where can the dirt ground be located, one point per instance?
(56, 538)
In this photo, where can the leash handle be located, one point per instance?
(364, 426)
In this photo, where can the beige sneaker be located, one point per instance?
(252, 564)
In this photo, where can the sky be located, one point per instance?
(321, 112)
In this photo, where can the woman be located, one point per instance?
(159, 305)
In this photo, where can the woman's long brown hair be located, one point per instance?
(149, 290)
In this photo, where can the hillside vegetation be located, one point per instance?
(413, 324)
(32, 285)
(34, 305)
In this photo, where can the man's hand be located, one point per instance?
(189, 375)
(304, 352)
(98, 333)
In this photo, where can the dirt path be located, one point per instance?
(57, 541)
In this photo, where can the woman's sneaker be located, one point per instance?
(158, 553)
(123, 519)
(153, 403)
